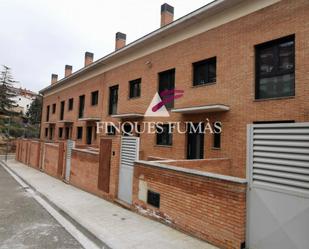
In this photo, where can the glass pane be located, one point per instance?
(200, 74)
(267, 61)
(286, 56)
(212, 72)
(280, 86)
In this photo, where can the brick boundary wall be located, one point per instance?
(95, 170)
(209, 206)
(53, 159)
(214, 165)
(205, 207)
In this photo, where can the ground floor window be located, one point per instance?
(111, 130)
(274, 122)
(164, 135)
(217, 137)
(60, 132)
(79, 132)
(51, 133)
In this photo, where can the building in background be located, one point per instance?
(23, 99)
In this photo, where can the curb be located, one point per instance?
(82, 229)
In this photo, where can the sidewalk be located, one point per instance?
(115, 226)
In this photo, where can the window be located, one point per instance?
(275, 68)
(94, 97)
(153, 198)
(46, 132)
(71, 101)
(167, 82)
(47, 113)
(217, 138)
(113, 100)
(135, 88)
(60, 132)
(51, 133)
(138, 130)
(81, 106)
(67, 133)
(111, 130)
(62, 104)
(54, 108)
(79, 132)
(204, 72)
(164, 135)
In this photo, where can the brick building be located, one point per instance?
(231, 65)
(235, 61)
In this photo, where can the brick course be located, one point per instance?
(208, 208)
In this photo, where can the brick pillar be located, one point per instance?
(60, 159)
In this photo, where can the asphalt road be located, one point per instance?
(25, 224)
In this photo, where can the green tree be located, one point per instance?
(6, 91)
(34, 112)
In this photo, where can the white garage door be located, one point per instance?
(278, 191)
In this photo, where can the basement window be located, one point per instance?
(153, 199)
(79, 132)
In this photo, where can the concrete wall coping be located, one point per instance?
(34, 141)
(52, 144)
(86, 151)
(194, 172)
(195, 160)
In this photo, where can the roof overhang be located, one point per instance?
(196, 16)
(50, 123)
(65, 121)
(128, 115)
(89, 119)
(202, 109)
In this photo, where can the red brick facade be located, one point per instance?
(233, 45)
(209, 208)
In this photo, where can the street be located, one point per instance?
(24, 223)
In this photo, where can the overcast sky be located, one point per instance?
(38, 37)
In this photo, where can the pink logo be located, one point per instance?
(167, 97)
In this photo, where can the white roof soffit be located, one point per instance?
(187, 20)
(202, 109)
(195, 17)
(65, 121)
(128, 115)
(89, 119)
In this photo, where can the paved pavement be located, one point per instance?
(117, 227)
(24, 224)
